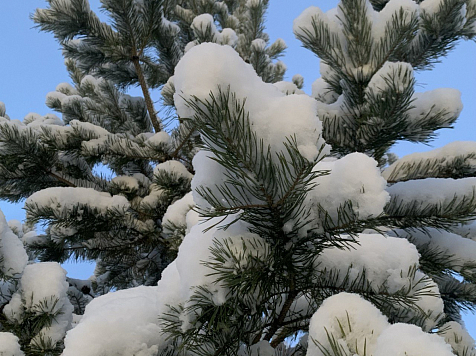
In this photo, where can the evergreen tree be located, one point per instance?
(303, 224)
(108, 143)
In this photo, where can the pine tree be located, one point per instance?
(102, 177)
(306, 236)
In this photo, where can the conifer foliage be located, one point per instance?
(267, 222)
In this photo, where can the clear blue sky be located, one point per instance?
(31, 65)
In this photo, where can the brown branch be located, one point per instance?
(276, 324)
(184, 141)
(61, 179)
(145, 92)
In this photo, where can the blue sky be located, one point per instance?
(31, 65)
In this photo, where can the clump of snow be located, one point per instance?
(153, 199)
(445, 100)
(467, 230)
(130, 183)
(173, 167)
(213, 174)
(43, 290)
(386, 261)
(304, 23)
(159, 139)
(392, 75)
(458, 337)
(48, 119)
(41, 281)
(121, 323)
(188, 270)
(461, 250)
(195, 249)
(322, 92)
(410, 340)
(203, 25)
(66, 88)
(9, 345)
(409, 9)
(176, 213)
(274, 115)
(65, 199)
(288, 88)
(3, 110)
(227, 37)
(298, 80)
(355, 178)
(32, 116)
(433, 191)
(13, 257)
(258, 45)
(354, 323)
(358, 328)
(431, 7)
(445, 155)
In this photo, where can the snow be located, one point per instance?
(43, 291)
(458, 337)
(446, 100)
(297, 79)
(387, 261)
(227, 37)
(461, 250)
(204, 22)
(41, 281)
(431, 7)
(433, 191)
(288, 88)
(445, 155)
(359, 328)
(159, 139)
(173, 167)
(322, 92)
(32, 116)
(258, 45)
(409, 340)
(130, 183)
(9, 345)
(48, 119)
(313, 15)
(274, 115)
(188, 271)
(195, 249)
(153, 199)
(65, 199)
(66, 88)
(354, 322)
(176, 213)
(467, 230)
(392, 75)
(354, 177)
(13, 257)
(380, 19)
(208, 173)
(121, 323)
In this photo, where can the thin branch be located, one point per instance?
(145, 92)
